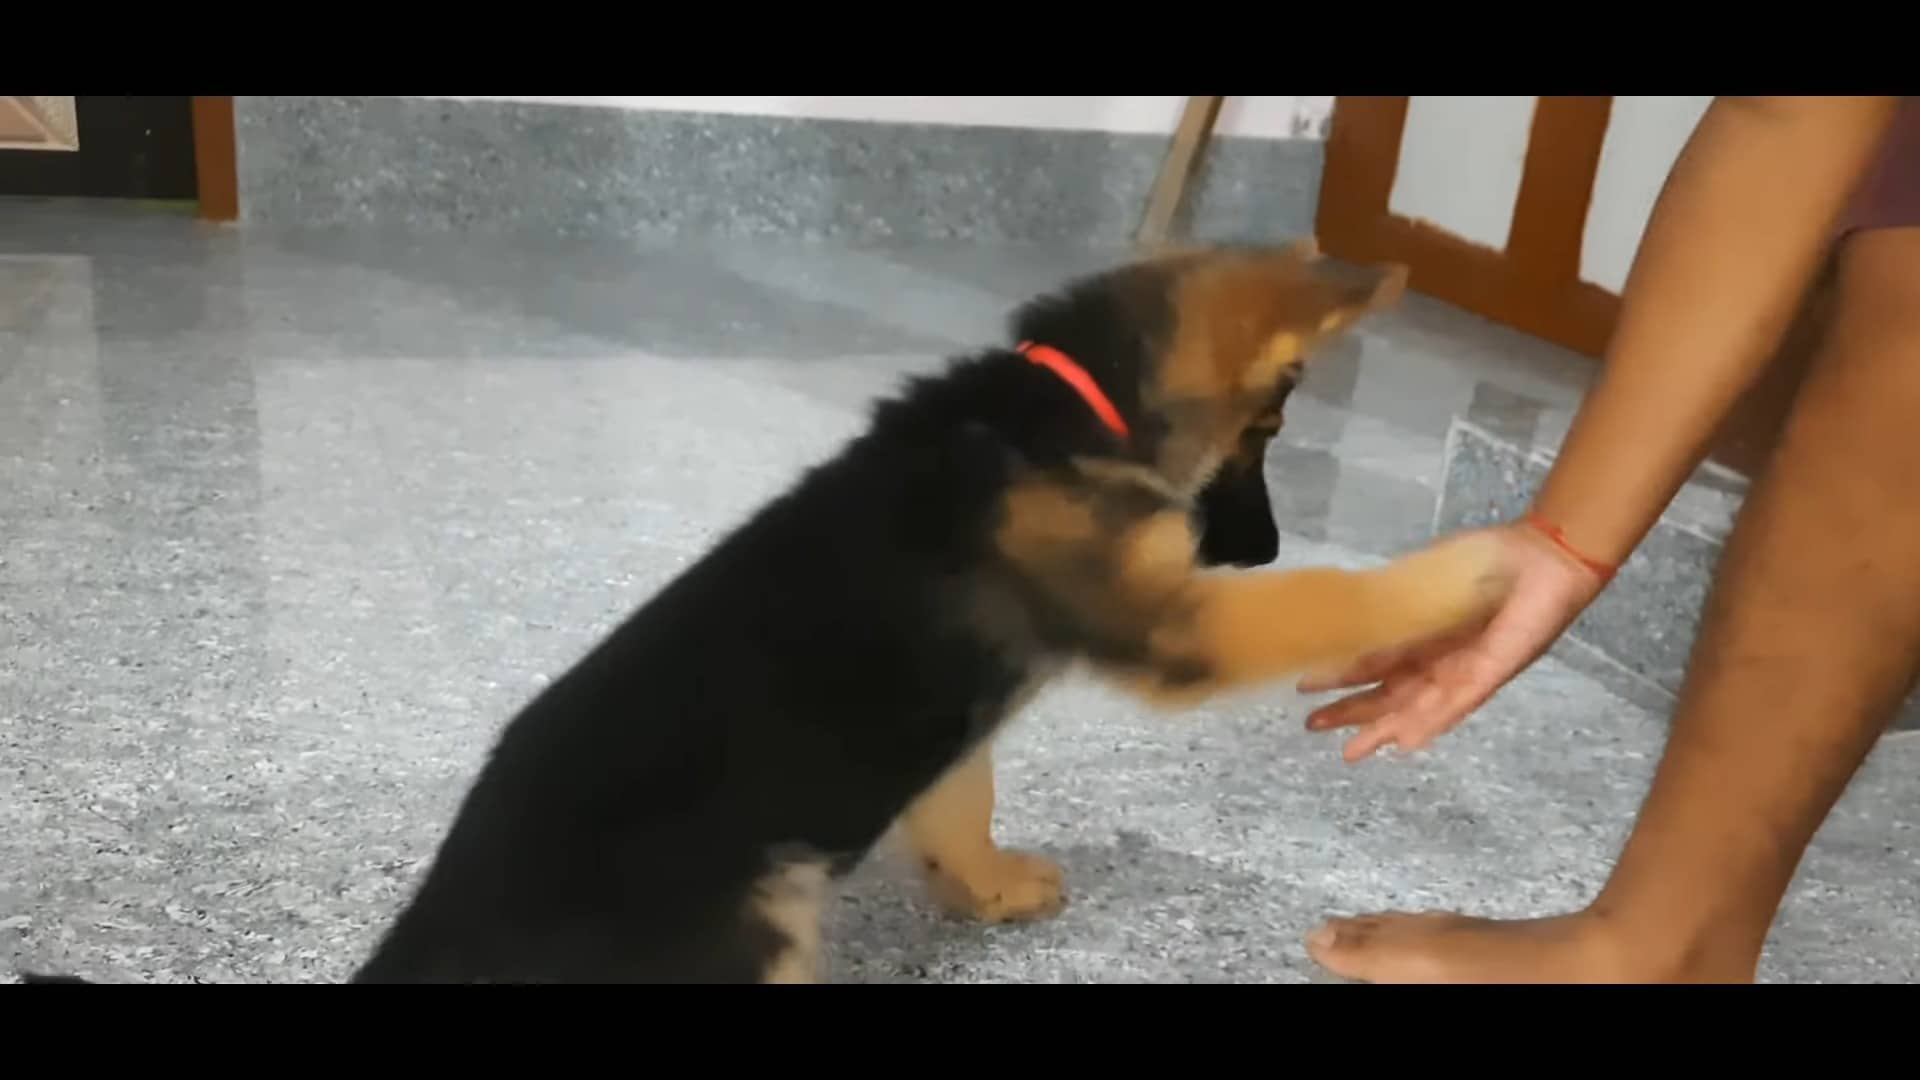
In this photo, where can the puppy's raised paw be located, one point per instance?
(1453, 581)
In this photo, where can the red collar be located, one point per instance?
(1076, 376)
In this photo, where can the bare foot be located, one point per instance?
(1001, 886)
(1439, 947)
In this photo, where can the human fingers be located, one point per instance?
(1365, 707)
(1369, 739)
(1378, 666)
(1456, 686)
(1368, 669)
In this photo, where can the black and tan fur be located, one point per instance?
(675, 807)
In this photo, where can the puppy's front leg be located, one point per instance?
(1110, 565)
(1237, 630)
(1176, 634)
(950, 829)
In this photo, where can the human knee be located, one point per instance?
(1878, 290)
(1864, 386)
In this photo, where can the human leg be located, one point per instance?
(1808, 643)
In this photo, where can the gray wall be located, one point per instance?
(573, 170)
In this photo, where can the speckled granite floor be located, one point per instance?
(290, 524)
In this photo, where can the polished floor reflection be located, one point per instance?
(289, 524)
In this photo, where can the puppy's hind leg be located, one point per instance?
(950, 830)
(792, 901)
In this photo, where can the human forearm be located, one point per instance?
(1738, 233)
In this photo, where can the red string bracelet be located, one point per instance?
(1553, 532)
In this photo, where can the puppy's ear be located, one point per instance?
(1353, 297)
(1244, 317)
(1376, 289)
(1281, 351)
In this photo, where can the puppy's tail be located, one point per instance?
(35, 977)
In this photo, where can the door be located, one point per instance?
(169, 149)
(1484, 198)
(1529, 211)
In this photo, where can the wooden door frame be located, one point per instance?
(216, 158)
(1534, 284)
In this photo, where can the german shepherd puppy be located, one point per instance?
(674, 808)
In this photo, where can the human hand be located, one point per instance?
(1426, 690)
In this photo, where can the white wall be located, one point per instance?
(1461, 160)
(1644, 138)
(1255, 117)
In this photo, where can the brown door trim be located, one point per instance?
(1534, 285)
(216, 159)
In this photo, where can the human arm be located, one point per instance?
(1740, 230)
(1738, 234)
